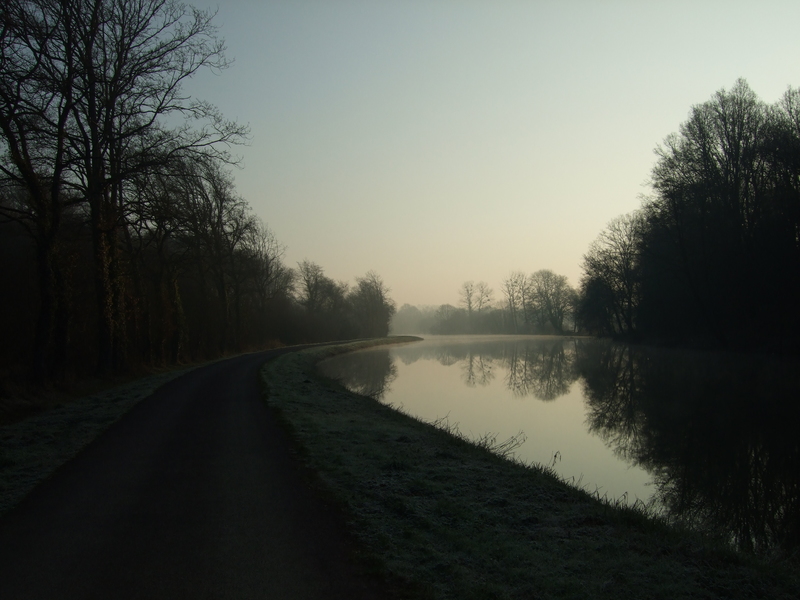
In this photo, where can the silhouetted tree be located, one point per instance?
(551, 298)
(372, 309)
(714, 254)
(36, 104)
(516, 290)
(96, 81)
(467, 293)
(724, 220)
(611, 278)
(484, 296)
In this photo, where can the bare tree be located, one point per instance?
(272, 277)
(87, 88)
(36, 103)
(468, 295)
(611, 271)
(483, 296)
(311, 280)
(371, 305)
(514, 292)
(215, 225)
(551, 298)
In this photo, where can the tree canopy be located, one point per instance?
(713, 255)
(122, 234)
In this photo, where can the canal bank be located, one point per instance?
(447, 519)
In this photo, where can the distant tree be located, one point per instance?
(483, 296)
(333, 310)
(467, 294)
(325, 302)
(372, 308)
(407, 319)
(272, 278)
(450, 320)
(475, 298)
(413, 319)
(516, 291)
(310, 277)
(551, 298)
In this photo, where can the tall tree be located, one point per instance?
(37, 77)
(708, 182)
(611, 277)
(483, 296)
(372, 308)
(516, 291)
(551, 297)
(467, 294)
(104, 77)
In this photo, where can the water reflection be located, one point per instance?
(542, 368)
(717, 432)
(371, 374)
(477, 370)
(714, 434)
(544, 371)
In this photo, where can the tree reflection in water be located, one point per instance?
(477, 370)
(543, 368)
(717, 431)
(371, 375)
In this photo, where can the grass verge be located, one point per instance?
(450, 519)
(32, 448)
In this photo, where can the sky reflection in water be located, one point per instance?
(503, 386)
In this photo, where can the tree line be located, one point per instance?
(123, 241)
(538, 303)
(713, 255)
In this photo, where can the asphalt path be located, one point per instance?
(195, 493)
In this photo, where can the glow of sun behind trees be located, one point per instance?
(123, 241)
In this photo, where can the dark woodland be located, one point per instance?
(713, 256)
(123, 241)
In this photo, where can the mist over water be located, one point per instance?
(706, 439)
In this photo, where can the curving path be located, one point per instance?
(193, 494)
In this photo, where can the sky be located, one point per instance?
(436, 142)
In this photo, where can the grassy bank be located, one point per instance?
(32, 448)
(448, 519)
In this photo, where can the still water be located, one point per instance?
(706, 439)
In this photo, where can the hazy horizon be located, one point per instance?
(436, 143)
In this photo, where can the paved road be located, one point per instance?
(193, 494)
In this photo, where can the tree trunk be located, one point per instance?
(43, 338)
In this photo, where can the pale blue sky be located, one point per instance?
(441, 141)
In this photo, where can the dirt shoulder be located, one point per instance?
(450, 520)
